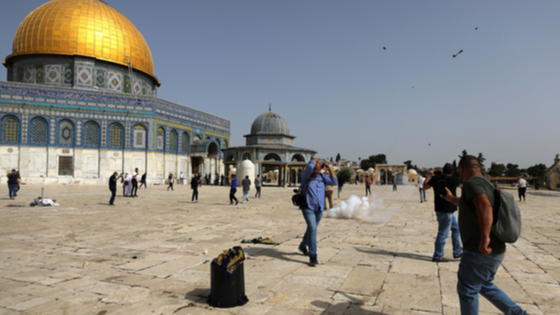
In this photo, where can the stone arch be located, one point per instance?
(66, 133)
(39, 131)
(116, 136)
(298, 158)
(272, 156)
(185, 142)
(10, 129)
(173, 141)
(213, 148)
(246, 156)
(230, 157)
(160, 139)
(197, 137)
(91, 134)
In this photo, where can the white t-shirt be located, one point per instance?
(421, 181)
(522, 183)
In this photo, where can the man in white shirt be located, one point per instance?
(521, 187)
(421, 181)
(181, 177)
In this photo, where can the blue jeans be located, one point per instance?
(113, 190)
(340, 190)
(447, 221)
(312, 219)
(245, 195)
(422, 195)
(476, 273)
(13, 190)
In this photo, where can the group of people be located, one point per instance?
(246, 184)
(129, 183)
(481, 252)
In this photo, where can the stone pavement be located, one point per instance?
(151, 255)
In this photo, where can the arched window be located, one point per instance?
(91, 135)
(66, 133)
(224, 144)
(160, 139)
(116, 136)
(139, 137)
(185, 143)
(10, 130)
(173, 141)
(39, 131)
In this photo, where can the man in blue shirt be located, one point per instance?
(233, 190)
(313, 188)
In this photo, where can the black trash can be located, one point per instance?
(227, 291)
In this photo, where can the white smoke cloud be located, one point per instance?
(363, 209)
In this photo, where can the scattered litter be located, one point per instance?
(43, 202)
(260, 240)
(134, 257)
(205, 252)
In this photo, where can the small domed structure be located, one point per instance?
(412, 172)
(270, 123)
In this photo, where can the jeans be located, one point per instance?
(113, 190)
(475, 275)
(13, 189)
(134, 187)
(340, 190)
(258, 192)
(195, 194)
(232, 192)
(312, 219)
(422, 194)
(245, 195)
(447, 221)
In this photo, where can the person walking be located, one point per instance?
(258, 186)
(368, 185)
(521, 188)
(134, 182)
(143, 181)
(313, 189)
(13, 182)
(341, 182)
(233, 190)
(170, 179)
(194, 186)
(421, 181)
(445, 211)
(113, 187)
(483, 251)
(181, 178)
(246, 183)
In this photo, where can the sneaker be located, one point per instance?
(313, 261)
(440, 260)
(303, 250)
(458, 256)
(231, 204)
(236, 203)
(192, 201)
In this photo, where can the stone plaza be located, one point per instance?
(152, 254)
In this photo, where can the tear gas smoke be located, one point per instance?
(363, 209)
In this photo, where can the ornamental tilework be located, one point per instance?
(53, 74)
(52, 133)
(68, 75)
(28, 74)
(127, 135)
(39, 74)
(79, 133)
(127, 85)
(137, 88)
(114, 81)
(103, 133)
(100, 80)
(24, 129)
(84, 75)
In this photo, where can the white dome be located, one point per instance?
(412, 172)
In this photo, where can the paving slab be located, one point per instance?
(152, 255)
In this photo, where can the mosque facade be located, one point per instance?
(80, 102)
(269, 147)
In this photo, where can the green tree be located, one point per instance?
(344, 174)
(512, 170)
(480, 159)
(409, 165)
(337, 157)
(538, 170)
(497, 170)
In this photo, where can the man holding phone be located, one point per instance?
(444, 210)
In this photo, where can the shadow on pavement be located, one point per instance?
(395, 254)
(274, 253)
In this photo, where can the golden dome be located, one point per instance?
(88, 28)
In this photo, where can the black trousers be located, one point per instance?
(194, 194)
(368, 189)
(521, 191)
(258, 192)
(232, 195)
(134, 187)
(113, 190)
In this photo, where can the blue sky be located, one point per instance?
(322, 66)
